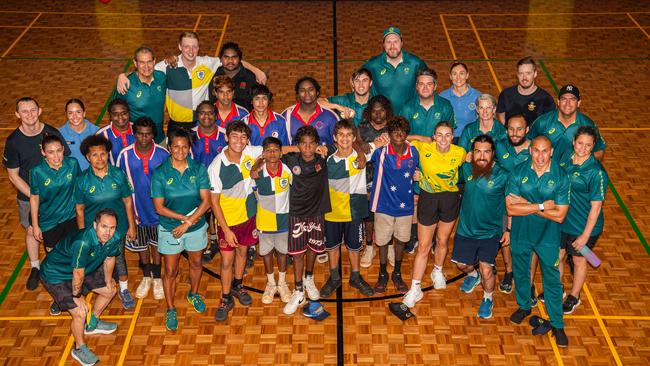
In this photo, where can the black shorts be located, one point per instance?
(59, 232)
(440, 206)
(566, 240)
(352, 233)
(145, 236)
(306, 232)
(468, 250)
(62, 292)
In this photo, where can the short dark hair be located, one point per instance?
(50, 138)
(458, 64)
(306, 131)
(95, 140)
(271, 141)
(483, 138)
(516, 116)
(30, 99)
(105, 212)
(144, 122)
(344, 124)
(118, 101)
(261, 90)
(181, 132)
(142, 49)
(361, 71)
(398, 123)
(206, 102)
(443, 124)
(231, 46)
(75, 101)
(587, 130)
(238, 126)
(427, 72)
(311, 80)
(381, 100)
(528, 60)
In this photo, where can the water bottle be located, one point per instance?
(590, 256)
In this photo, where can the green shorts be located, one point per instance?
(194, 241)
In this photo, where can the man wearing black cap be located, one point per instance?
(393, 71)
(560, 125)
(525, 98)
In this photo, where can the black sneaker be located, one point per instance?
(533, 296)
(223, 310)
(382, 283)
(400, 286)
(329, 287)
(494, 270)
(363, 286)
(560, 337)
(242, 295)
(570, 304)
(55, 309)
(250, 258)
(519, 315)
(506, 283)
(540, 297)
(32, 281)
(206, 257)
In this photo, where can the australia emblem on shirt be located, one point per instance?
(114, 186)
(472, 106)
(284, 182)
(68, 176)
(531, 106)
(407, 70)
(296, 170)
(193, 179)
(248, 164)
(200, 75)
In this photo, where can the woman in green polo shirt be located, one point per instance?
(180, 189)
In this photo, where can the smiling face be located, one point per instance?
(568, 104)
(144, 64)
(361, 85)
(344, 138)
(119, 117)
(28, 112)
(393, 45)
(482, 155)
(541, 152)
(526, 75)
(189, 48)
(425, 85)
(53, 153)
(517, 131)
(75, 114)
(206, 116)
(583, 145)
(237, 141)
(459, 76)
(443, 136)
(486, 110)
(179, 148)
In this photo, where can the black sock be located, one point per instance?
(382, 268)
(309, 273)
(227, 297)
(334, 274)
(299, 285)
(398, 266)
(414, 231)
(237, 283)
(354, 276)
(155, 270)
(146, 269)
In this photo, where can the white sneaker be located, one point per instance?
(285, 293)
(143, 288)
(158, 290)
(269, 292)
(414, 295)
(310, 286)
(439, 280)
(322, 258)
(368, 255)
(391, 255)
(297, 299)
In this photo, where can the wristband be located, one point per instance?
(508, 230)
(541, 207)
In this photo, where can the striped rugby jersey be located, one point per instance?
(273, 199)
(347, 187)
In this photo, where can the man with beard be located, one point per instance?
(526, 97)
(351, 105)
(394, 69)
(242, 78)
(480, 227)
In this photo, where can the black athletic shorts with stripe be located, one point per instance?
(306, 232)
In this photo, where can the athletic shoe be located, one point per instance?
(171, 322)
(250, 257)
(470, 283)
(382, 283)
(143, 288)
(506, 283)
(411, 246)
(533, 296)
(158, 290)
(269, 292)
(310, 286)
(560, 337)
(540, 297)
(570, 304)
(391, 255)
(55, 309)
(360, 284)
(223, 310)
(98, 326)
(242, 295)
(206, 257)
(32, 281)
(196, 301)
(368, 255)
(398, 282)
(285, 293)
(519, 315)
(329, 287)
(322, 258)
(439, 280)
(413, 295)
(540, 325)
(84, 356)
(127, 300)
(485, 310)
(297, 299)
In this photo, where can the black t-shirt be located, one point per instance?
(369, 134)
(309, 194)
(530, 106)
(244, 80)
(24, 152)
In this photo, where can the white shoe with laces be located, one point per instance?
(312, 292)
(143, 288)
(414, 295)
(297, 299)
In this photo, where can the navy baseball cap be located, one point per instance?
(315, 310)
(392, 30)
(569, 89)
(400, 310)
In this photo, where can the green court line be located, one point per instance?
(619, 200)
(12, 279)
(112, 95)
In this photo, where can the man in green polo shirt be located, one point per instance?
(393, 71)
(538, 201)
(146, 96)
(514, 150)
(80, 263)
(427, 108)
(560, 125)
(351, 105)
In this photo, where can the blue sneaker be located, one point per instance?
(196, 301)
(470, 283)
(171, 322)
(485, 310)
(98, 326)
(128, 302)
(84, 356)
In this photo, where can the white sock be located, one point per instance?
(415, 283)
(124, 285)
(281, 277)
(487, 295)
(473, 274)
(35, 264)
(437, 268)
(270, 277)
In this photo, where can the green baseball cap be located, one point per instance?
(392, 30)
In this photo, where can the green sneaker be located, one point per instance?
(196, 301)
(84, 356)
(98, 326)
(171, 323)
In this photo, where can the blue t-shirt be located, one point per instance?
(464, 107)
(275, 126)
(73, 139)
(392, 185)
(323, 120)
(206, 147)
(120, 140)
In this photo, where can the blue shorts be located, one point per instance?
(194, 241)
(468, 251)
(351, 232)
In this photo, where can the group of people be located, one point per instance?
(392, 164)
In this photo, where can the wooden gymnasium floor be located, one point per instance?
(55, 51)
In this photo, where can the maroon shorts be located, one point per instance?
(246, 234)
(306, 232)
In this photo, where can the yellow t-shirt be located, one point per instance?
(439, 171)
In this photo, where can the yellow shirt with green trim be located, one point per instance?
(439, 171)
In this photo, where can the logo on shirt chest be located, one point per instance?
(47, 182)
(416, 115)
(170, 181)
(472, 106)
(139, 94)
(68, 176)
(192, 179)
(436, 115)
(317, 167)
(490, 183)
(505, 156)
(550, 183)
(355, 164)
(242, 85)
(200, 75)
(427, 155)
(524, 180)
(532, 106)
(407, 70)
(92, 189)
(248, 164)
(551, 131)
(296, 170)
(114, 186)
(382, 72)
(275, 134)
(159, 88)
(284, 182)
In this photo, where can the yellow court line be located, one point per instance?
(599, 319)
(485, 55)
(57, 317)
(196, 25)
(556, 350)
(21, 35)
(638, 25)
(451, 46)
(223, 33)
(544, 14)
(545, 28)
(68, 346)
(129, 334)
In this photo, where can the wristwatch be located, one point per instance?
(541, 207)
